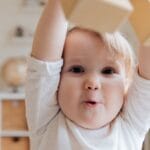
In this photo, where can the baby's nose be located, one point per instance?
(92, 84)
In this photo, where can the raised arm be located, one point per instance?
(50, 33)
(144, 61)
(43, 76)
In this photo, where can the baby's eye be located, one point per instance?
(108, 71)
(76, 69)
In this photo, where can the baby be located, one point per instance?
(79, 90)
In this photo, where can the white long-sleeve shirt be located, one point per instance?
(51, 130)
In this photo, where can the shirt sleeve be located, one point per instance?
(137, 106)
(41, 86)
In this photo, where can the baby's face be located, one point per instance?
(92, 86)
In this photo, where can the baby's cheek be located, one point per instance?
(114, 93)
(119, 85)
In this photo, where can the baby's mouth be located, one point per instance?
(92, 103)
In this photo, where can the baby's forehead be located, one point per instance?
(80, 31)
(113, 43)
(80, 38)
(89, 60)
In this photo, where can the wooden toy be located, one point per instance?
(99, 15)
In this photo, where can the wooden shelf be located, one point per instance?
(12, 96)
(14, 133)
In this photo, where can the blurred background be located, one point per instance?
(18, 23)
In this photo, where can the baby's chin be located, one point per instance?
(90, 125)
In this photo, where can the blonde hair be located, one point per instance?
(119, 48)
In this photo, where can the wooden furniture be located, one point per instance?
(14, 132)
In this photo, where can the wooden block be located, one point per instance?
(140, 20)
(14, 143)
(98, 15)
(13, 115)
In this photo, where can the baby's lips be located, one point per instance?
(92, 101)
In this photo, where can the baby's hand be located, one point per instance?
(144, 61)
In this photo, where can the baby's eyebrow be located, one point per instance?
(116, 64)
(75, 60)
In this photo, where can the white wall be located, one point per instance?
(13, 13)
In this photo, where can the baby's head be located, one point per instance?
(95, 76)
